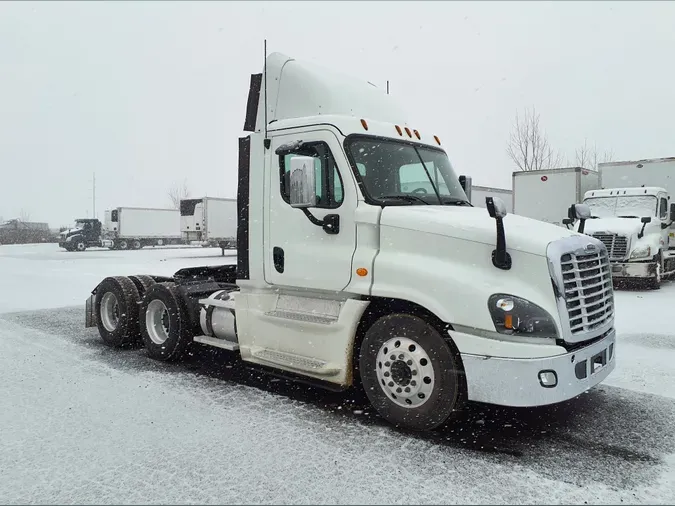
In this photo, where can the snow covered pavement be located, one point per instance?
(85, 424)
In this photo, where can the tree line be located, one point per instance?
(529, 148)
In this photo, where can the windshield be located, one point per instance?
(395, 172)
(625, 206)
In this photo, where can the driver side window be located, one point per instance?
(663, 209)
(328, 181)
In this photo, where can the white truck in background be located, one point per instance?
(136, 227)
(479, 193)
(633, 215)
(349, 277)
(546, 195)
(210, 221)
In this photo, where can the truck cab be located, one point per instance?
(635, 225)
(348, 276)
(85, 233)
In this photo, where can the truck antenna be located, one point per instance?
(93, 198)
(265, 90)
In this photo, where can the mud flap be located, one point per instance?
(89, 314)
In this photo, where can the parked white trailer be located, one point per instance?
(209, 221)
(547, 195)
(346, 279)
(478, 194)
(135, 227)
(633, 215)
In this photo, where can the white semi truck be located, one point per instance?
(345, 279)
(546, 195)
(210, 221)
(633, 215)
(136, 227)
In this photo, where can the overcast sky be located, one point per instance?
(147, 94)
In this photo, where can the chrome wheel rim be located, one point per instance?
(404, 372)
(110, 311)
(157, 322)
(80, 246)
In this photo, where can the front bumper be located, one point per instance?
(516, 382)
(622, 270)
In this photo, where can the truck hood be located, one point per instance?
(620, 226)
(474, 224)
(70, 231)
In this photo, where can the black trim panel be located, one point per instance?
(252, 103)
(243, 270)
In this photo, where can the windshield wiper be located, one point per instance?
(407, 198)
(627, 216)
(456, 201)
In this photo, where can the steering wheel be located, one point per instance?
(423, 191)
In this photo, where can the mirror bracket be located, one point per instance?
(330, 222)
(644, 221)
(500, 257)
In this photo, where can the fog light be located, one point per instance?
(548, 379)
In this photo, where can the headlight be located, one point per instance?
(641, 252)
(515, 316)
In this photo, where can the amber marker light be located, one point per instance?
(362, 271)
(365, 125)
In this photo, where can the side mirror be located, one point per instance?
(497, 210)
(495, 207)
(579, 212)
(672, 212)
(465, 183)
(644, 220)
(303, 182)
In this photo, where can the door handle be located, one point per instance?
(278, 257)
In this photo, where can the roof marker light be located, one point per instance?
(438, 141)
(407, 130)
(417, 134)
(398, 129)
(365, 125)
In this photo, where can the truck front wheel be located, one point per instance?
(165, 325)
(410, 373)
(116, 306)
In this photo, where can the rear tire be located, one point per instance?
(165, 324)
(143, 283)
(136, 244)
(116, 307)
(420, 388)
(122, 245)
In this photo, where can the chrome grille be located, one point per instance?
(617, 245)
(589, 296)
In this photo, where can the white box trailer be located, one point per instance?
(657, 172)
(478, 194)
(546, 195)
(135, 227)
(211, 221)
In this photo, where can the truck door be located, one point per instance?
(667, 239)
(298, 253)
